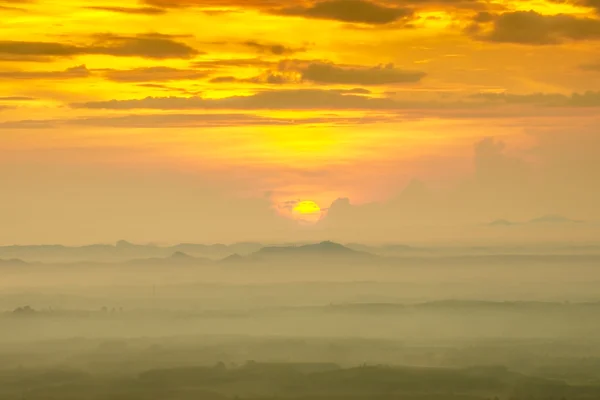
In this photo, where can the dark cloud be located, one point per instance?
(14, 5)
(585, 99)
(285, 99)
(175, 121)
(355, 11)
(355, 91)
(447, 4)
(214, 3)
(224, 79)
(276, 49)
(358, 11)
(297, 71)
(553, 99)
(154, 74)
(171, 89)
(80, 71)
(268, 77)
(483, 17)
(591, 67)
(11, 8)
(532, 28)
(234, 62)
(315, 99)
(586, 3)
(16, 98)
(5, 58)
(131, 10)
(147, 46)
(327, 72)
(273, 79)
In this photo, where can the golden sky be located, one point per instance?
(259, 104)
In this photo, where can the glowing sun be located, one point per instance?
(307, 212)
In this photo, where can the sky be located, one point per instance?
(226, 120)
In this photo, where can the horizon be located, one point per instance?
(299, 199)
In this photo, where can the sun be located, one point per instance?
(307, 211)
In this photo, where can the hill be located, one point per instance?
(177, 258)
(327, 251)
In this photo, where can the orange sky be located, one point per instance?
(281, 101)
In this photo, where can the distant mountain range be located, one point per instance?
(122, 251)
(544, 220)
(326, 248)
(324, 251)
(189, 253)
(331, 253)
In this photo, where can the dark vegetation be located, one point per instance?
(185, 368)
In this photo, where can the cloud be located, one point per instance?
(589, 3)
(16, 98)
(176, 121)
(354, 91)
(215, 3)
(493, 166)
(307, 99)
(298, 71)
(315, 99)
(147, 46)
(496, 186)
(591, 67)
(224, 79)
(80, 71)
(233, 62)
(153, 74)
(327, 72)
(359, 11)
(11, 5)
(11, 8)
(268, 77)
(532, 28)
(447, 4)
(354, 11)
(276, 49)
(130, 10)
(484, 17)
(585, 99)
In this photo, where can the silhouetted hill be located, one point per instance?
(501, 222)
(12, 262)
(179, 255)
(327, 249)
(232, 259)
(177, 258)
(121, 251)
(365, 382)
(554, 219)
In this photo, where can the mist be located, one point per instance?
(101, 320)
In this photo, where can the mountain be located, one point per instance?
(324, 251)
(554, 219)
(326, 248)
(12, 262)
(232, 259)
(543, 220)
(181, 256)
(177, 258)
(121, 251)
